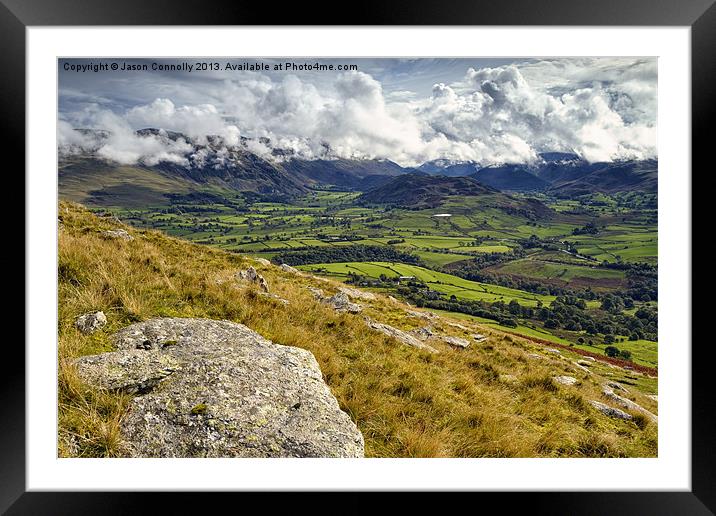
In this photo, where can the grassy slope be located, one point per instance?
(405, 401)
(439, 281)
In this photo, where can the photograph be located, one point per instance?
(378, 257)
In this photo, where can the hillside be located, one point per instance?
(514, 178)
(501, 396)
(632, 176)
(421, 190)
(355, 173)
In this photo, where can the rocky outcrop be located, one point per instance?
(117, 233)
(250, 275)
(211, 388)
(423, 333)
(287, 268)
(626, 403)
(91, 322)
(565, 380)
(610, 411)
(457, 342)
(429, 316)
(399, 335)
(263, 261)
(353, 293)
(479, 337)
(340, 303)
(617, 387)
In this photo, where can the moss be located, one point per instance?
(201, 408)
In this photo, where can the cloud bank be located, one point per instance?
(603, 110)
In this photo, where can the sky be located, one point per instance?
(487, 110)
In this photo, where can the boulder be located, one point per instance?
(565, 380)
(617, 386)
(555, 351)
(91, 322)
(479, 337)
(457, 342)
(400, 335)
(117, 233)
(591, 359)
(423, 333)
(626, 403)
(252, 276)
(275, 297)
(317, 292)
(422, 315)
(341, 303)
(263, 261)
(211, 388)
(610, 411)
(357, 294)
(585, 363)
(292, 270)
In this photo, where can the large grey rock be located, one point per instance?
(354, 293)
(400, 335)
(565, 380)
(456, 342)
(289, 269)
(252, 276)
(479, 337)
(91, 322)
(341, 303)
(133, 370)
(218, 389)
(117, 233)
(610, 411)
(423, 333)
(626, 403)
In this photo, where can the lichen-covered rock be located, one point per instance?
(252, 276)
(479, 337)
(555, 351)
(617, 386)
(357, 294)
(117, 233)
(341, 303)
(275, 297)
(263, 261)
(91, 322)
(626, 403)
(292, 270)
(565, 380)
(610, 411)
(457, 342)
(423, 333)
(218, 389)
(400, 335)
(317, 292)
(131, 370)
(585, 363)
(422, 315)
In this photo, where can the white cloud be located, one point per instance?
(602, 109)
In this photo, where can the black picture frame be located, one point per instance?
(700, 15)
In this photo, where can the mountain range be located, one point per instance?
(86, 175)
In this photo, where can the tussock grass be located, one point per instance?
(406, 402)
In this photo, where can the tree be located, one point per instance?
(625, 354)
(608, 338)
(611, 351)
